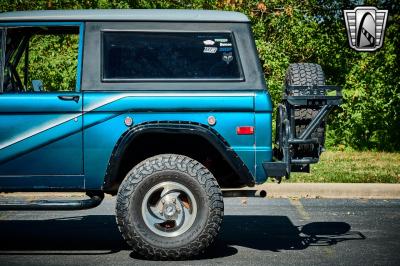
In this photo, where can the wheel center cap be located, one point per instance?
(169, 211)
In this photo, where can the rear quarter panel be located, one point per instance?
(104, 114)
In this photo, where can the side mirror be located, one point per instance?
(37, 85)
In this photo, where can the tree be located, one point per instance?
(307, 31)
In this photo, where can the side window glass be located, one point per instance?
(169, 55)
(41, 59)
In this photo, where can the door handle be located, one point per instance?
(74, 98)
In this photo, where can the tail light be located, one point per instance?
(245, 130)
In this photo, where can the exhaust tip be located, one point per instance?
(261, 193)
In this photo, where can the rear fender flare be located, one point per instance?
(174, 127)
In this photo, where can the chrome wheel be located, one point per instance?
(169, 209)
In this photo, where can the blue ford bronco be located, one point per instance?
(169, 111)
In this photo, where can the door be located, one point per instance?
(41, 108)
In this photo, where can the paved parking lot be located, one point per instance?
(255, 231)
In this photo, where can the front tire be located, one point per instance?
(169, 207)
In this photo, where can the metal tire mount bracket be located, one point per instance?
(316, 97)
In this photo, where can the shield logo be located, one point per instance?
(365, 27)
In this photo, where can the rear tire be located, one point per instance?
(306, 74)
(169, 207)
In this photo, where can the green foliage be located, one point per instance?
(306, 31)
(353, 167)
(53, 59)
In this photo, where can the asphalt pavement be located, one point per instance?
(255, 231)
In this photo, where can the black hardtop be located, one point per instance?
(124, 15)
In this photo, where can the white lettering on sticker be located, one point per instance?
(221, 40)
(210, 50)
(225, 44)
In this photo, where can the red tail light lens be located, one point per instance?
(245, 130)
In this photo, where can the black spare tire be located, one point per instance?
(306, 74)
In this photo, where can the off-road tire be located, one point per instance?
(306, 74)
(176, 168)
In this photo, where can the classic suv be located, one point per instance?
(161, 107)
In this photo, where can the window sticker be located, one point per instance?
(225, 44)
(210, 50)
(221, 40)
(208, 42)
(227, 57)
(225, 49)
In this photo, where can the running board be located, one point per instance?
(56, 205)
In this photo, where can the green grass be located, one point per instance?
(353, 167)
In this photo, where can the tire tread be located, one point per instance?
(157, 164)
(306, 74)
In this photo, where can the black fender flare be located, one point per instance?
(175, 127)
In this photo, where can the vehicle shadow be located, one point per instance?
(276, 233)
(98, 234)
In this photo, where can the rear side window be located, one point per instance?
(169, 56)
